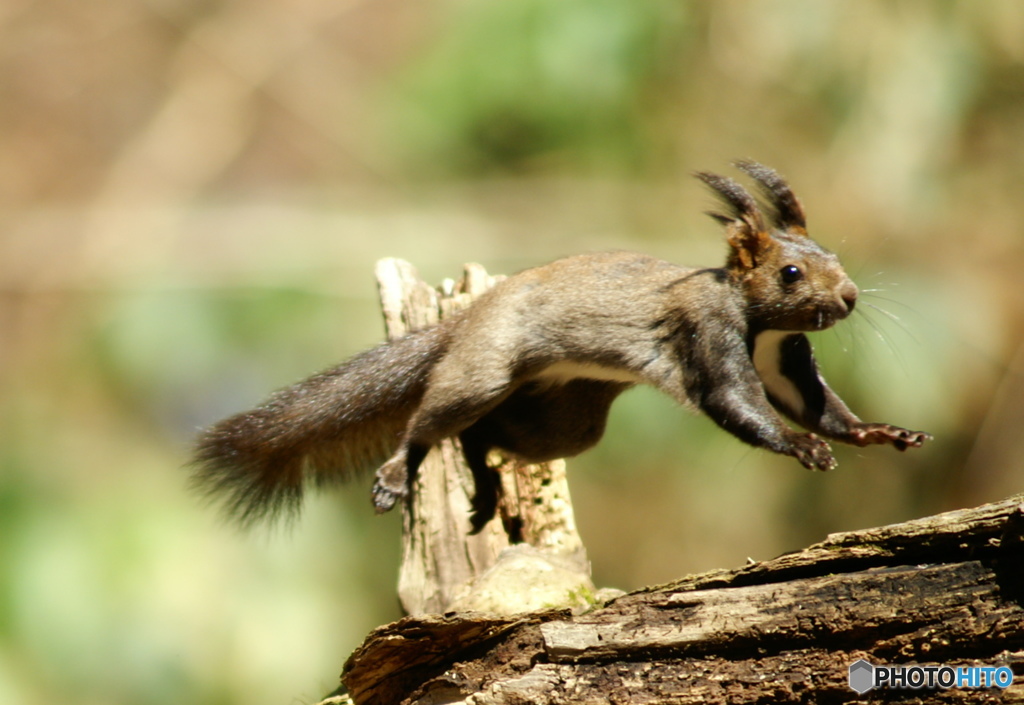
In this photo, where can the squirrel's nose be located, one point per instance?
(849, 295)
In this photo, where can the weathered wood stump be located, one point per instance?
(533, 539)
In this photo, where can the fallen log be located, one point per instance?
(946, 590)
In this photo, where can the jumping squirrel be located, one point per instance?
(532, 367)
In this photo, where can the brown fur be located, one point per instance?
(534, 364)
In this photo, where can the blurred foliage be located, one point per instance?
(532, 85)
(192, 197)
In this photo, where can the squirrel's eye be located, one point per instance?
(791, 273)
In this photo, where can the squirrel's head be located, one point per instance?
(790, 281)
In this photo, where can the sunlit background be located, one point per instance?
(193, 196)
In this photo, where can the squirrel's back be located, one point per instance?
(342, 422)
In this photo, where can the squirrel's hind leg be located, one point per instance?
(451, 405)
(486, 482)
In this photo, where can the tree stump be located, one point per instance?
(531, 542)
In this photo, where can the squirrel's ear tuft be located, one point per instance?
(786, 211)
(740, 203)
(745, 229)
(721, 217)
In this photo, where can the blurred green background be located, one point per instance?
(193, 196)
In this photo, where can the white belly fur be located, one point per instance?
(767, 362)
(565, 370)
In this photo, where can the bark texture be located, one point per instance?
(943, 590)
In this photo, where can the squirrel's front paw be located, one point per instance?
(812, 452)
(882, 433)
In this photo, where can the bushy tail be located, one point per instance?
(318, 432)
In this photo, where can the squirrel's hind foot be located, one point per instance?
(391, 483)
(385, 498)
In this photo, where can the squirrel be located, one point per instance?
(533, 365)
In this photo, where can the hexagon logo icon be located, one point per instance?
(862, 676)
